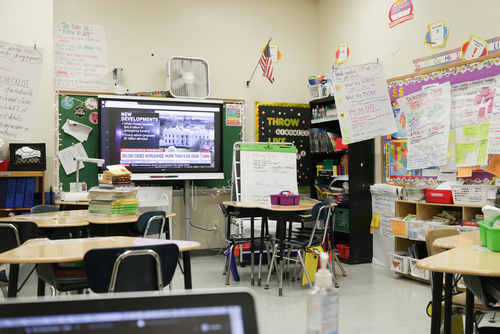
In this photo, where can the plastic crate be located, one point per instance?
(400, 262)
(341, 223)
(478, 195)
(343, 251)
(418, 272)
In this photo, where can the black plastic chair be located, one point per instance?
(153, 222)
(125, 269)
(12, 235)
(43, 208)
(232, 240)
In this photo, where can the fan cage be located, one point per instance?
(188, 77)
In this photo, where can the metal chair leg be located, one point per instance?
(339, 263)
(229, 264)
(226, 266)
(295, 269)
(334, 275)
(4, 291)
(273, 256)
(492, 318)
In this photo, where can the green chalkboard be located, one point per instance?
(78, 108)
(81, 109)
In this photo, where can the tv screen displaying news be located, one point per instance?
(161, 136)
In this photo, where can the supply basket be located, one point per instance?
(438, 196)
(418, 272)
(489, 236)
(400, 262)
(341, 223)
(475, 194)
(285, 198)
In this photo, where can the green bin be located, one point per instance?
(341, 223)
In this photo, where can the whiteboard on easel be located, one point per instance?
(267, 169)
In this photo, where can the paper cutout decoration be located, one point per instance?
(401, 11)
(436, 34)
(474, 48)
(342, 53)
(275, 52)
(464, 172)
(494, 167)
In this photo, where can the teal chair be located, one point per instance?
(43, 208)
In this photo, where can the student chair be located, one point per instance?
(12, 235)
(323, 212)
(153, 222)
(126, 269)
(458, 298)
(43, 208)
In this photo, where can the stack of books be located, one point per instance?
(115, 175)
(113, 206)
(116, 193)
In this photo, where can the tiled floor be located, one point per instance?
(372, 299)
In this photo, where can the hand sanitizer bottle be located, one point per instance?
(323, 305)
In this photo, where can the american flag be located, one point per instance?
(266, 62)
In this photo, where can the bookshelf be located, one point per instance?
(360, 166)
(39, 189)
(425, 211)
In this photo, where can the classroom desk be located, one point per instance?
(459, 260)
(466, 239)
(69, 250)
(283, 214)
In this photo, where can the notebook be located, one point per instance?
(215, 311)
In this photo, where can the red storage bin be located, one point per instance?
(343, 251)
(4, 166)
(438, 196)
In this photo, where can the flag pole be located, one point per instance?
(248, 82)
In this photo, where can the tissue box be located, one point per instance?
(438, 196)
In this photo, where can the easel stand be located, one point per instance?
(187, 219)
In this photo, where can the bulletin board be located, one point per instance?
(394, 147)
(286, 123)
(82, 109)
(79, 108)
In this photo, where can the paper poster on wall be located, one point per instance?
(428, 121)
(436, 34)
(80, 57)
(286, 123)
(342, 53)
(401, 11)
(471, 119)
(233, 114)
(363, 103)
(494, 133)
(474, 48)
(20, 73)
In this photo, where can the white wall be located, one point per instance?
(364, 24)
(29, 22)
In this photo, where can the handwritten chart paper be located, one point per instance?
(80, 60)
(428, 125)
(20, 74)
(265, 173)
(471, 121)
(363, 103)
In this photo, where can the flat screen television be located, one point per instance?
(162, 138)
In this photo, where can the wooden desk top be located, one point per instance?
(49, 223)
(466, 239)
(303, 206)
(464, 260)
(112, 219)
(53, 219)
(67, 250)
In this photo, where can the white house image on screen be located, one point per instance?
(182, 137)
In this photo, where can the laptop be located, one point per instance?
(214, 311)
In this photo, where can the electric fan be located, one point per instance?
(188, 77)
